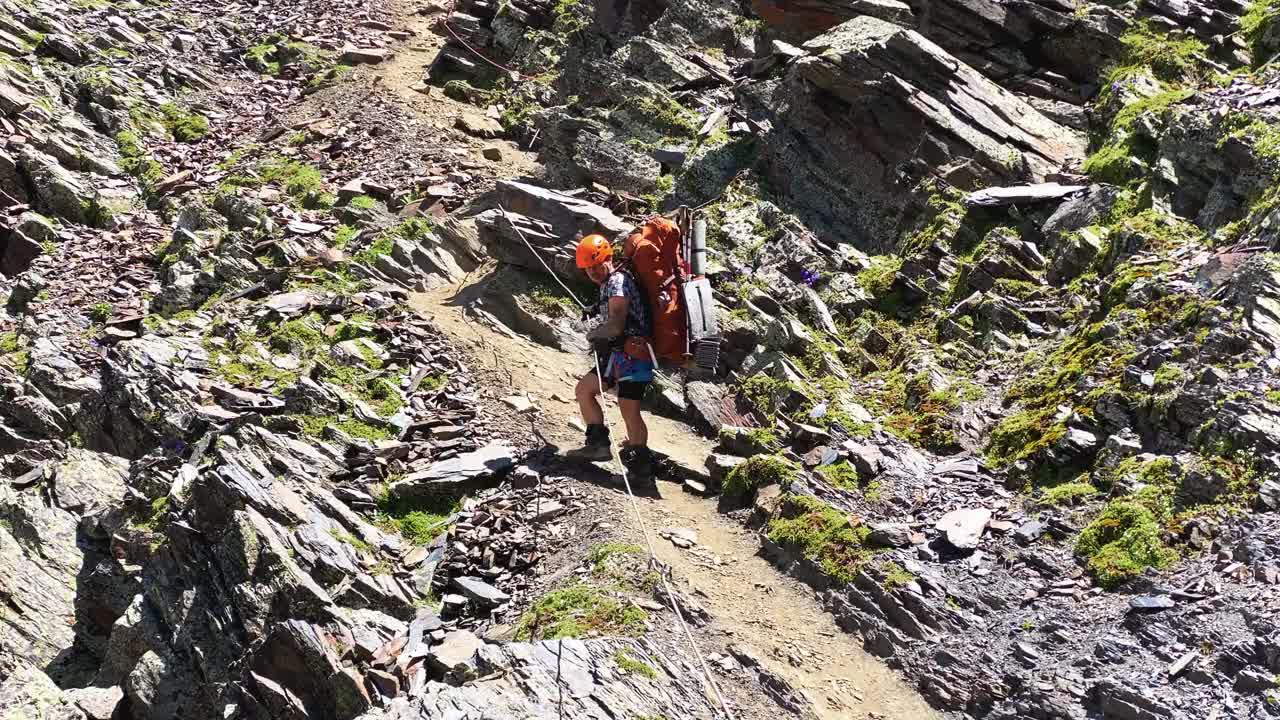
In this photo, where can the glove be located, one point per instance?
(601, 347)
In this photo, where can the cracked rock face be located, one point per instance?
(890, 106)
(1012, 414)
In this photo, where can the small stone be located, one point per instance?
(1269, 494)
(890, 535)
(1029, 531)
(96, 703)
(681, 537)
(524, 477)
(481, 592)
(454, 656)
(1151, 603)
(547, 510)
(519, 403)
(447, 432)
(695, 487)
(492, 152)
(1026, 650)
(453, 603)
(478, 125)
(1250, 680)
(364, 56)
(1177, 666)
(963, 527)
(416, 557)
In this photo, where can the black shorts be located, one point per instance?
(627, 390)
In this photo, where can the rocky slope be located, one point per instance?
(998, 284)
(1001, 309)
(241, 478)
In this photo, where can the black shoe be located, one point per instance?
(596, 446)
(639, 464)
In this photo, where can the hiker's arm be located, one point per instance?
(616, 323)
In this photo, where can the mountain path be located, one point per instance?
(752, 602)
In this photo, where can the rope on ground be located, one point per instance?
(644, 530)
(448, 28)
(538, 255)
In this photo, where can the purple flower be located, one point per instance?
(809, 277)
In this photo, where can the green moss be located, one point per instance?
(9, 342)
(182, 125)
(1058, 381)
(1128, 117)
(298, 180)
(363, 202)
(261, 57)
(1167, 376)
(758, 471)
(300, 337)
(1262, 137)
(384, 245)
(1068, 493)
(600, 554)
(1173, 58)
(1254, 26)
(1112, 163)
(1022, 435)
(343, 235)
(895, 576)
(420, 520)
(662, 188)
(135, 160)
(238, 362)
(945, 215)
(821, 534)
(569, 17)
(665, 114)
(12, 353)
(1122, 543)
(764, 393)
(632, 666)
(157, 510)
(101, 312)
(577, 611)
(878, 279)
(916, 412)
(549, 299)
(362, 430)
(351, 540)
(841, 474)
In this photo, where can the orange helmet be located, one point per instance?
(593, 250)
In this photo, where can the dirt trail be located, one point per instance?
(751, 601)
(403, 74)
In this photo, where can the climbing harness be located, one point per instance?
(644, 530)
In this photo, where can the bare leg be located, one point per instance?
(588, 403)
(637, 431)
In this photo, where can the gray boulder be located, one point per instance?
(873, 109)
(57, 191)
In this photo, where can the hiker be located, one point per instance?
(620, 345)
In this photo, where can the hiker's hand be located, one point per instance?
(600, 346)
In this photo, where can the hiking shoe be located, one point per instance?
(596, 446)
(639, 464)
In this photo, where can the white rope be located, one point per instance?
(538, 255)
(644, 530)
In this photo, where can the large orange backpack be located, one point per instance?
(655, 253)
